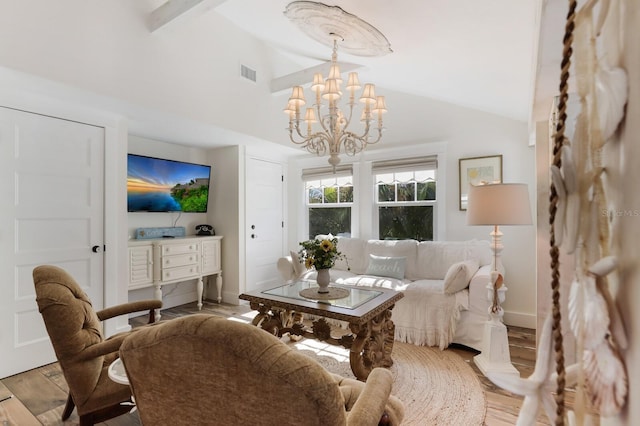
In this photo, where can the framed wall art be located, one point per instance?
(478, 171)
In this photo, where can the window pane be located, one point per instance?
(331, 195)
(424, 175)
(427, 191)
(335, 220)
(406, 192)
(315, 196)
(384, 178)
(346, 194)
(404, 176)
(407, 222)
(386, 192)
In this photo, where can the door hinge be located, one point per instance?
(281, 178)
(283, 223)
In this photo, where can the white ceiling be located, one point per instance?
(477, 54)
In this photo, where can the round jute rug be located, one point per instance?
(437, 387)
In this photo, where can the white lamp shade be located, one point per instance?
(368, 94)
(310, 116)
(380, 106)
(498, 204)
(297, 96)
(354, 82)
(331, 90)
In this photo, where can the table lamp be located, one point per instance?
(496, 205)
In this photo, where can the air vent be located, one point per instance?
(248, 73)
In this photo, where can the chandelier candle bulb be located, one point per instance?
(380, 108)
(318, 83)
(334, 74)
(290, 110)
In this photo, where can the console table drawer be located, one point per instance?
(179, 260)
(171, 249)
(183, 272)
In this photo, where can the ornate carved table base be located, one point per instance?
(370, 343)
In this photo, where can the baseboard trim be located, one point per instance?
(518, 319)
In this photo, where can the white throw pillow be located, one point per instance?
(382, 266)
(298, 267)
(459, 275)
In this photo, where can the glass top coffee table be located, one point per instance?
(367, 310)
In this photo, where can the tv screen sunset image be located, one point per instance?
(157, 185)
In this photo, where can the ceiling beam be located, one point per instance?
(174, 11)
(305, 76)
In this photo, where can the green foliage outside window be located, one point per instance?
(335, 220)
(406, 222)
(403, 212)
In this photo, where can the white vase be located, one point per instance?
(323, 280)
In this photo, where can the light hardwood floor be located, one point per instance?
(39, 395)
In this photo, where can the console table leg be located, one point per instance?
(158, 295)
(219, 286)
(200, 290)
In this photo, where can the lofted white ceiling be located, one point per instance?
(477, 54)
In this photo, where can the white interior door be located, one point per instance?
(264, 222)
(51, 186)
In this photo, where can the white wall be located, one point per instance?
(106, 49)
(227, 209)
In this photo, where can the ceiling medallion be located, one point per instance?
(318, 21)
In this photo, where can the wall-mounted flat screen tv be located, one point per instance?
(158, 185)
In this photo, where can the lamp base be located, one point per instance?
(495, 350)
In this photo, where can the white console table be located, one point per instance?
(156, 262)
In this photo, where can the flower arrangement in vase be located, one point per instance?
(322, 255)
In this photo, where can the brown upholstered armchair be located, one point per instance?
(203, 370)
(75, 331)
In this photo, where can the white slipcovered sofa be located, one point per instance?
(444, 284)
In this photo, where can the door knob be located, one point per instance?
(96, 249)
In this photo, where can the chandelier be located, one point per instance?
(326, 125)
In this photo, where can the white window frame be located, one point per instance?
(400, 166)
(327, 173)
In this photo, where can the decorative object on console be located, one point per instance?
(153, 233)
(205, 229)
(330, 25)
(478, 171)
(494, 205)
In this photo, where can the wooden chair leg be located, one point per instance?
(152, 316)
(68, 408)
